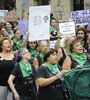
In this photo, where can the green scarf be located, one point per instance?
(79, 59)
(18, 44)
(52, 68)
(82, 43)
(68, 52)
(26, 70)
(33, 53)
(41, 56)
(52, 29)
(10, 32)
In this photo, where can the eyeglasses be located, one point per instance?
(27, 52)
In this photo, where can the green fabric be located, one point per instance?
(10, 32)
(68, 52)
(78, 83)
(26, 70)
(52, 29)
(33, 53)
(82, 43)
(41, 56)
(79, 59)
(8, 36)
(52, 68)
(18, 44)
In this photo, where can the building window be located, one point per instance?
(9, 4)
(42, 2)
(78, 5)
(45, 2)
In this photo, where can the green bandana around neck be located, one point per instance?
(68, 52)
(53, 68)
(10, 32)
(26, 70)
(82, 43)
(33, 53)
(79, 59)
(18, 44)
(52, 28)
(41, 56)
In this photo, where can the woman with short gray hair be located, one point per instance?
(23, 72)
(39, 59)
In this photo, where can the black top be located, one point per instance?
(39, 60)
(63, 58)
(74, 63)
(24, 85)
(53, 33)
(86, 48)
(52, 91)
(6, 67)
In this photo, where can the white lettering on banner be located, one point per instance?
(81, 17)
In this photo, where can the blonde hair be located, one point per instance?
(68, 37)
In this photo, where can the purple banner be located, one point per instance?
(88, 28)
(23, 26)
(81, 17)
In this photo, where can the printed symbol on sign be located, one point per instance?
(37, 20)
(45, 18)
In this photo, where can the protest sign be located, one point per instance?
(52, 44)
(23, 26)
(2, 15)
(88, 27)
(24, 4)
(11, 16)
(81, 17)
(67, 28)
(39, 23)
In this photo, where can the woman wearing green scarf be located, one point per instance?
(32, 48)
(77, 57)
(9, 28)
(18, 42)
(54, 27)
(24, 76)
(49, 77)
(81, 35)
(39, 59)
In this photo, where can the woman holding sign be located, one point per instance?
(18, 42)
(48, 77)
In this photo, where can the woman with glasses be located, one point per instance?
(23, 74)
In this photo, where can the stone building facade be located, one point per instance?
(60, 8)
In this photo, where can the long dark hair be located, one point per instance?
(85, 33)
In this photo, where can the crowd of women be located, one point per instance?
(30, 70)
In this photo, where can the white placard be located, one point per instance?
(52, 44)
(67, 28)
(39, 23)
(2, 15)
